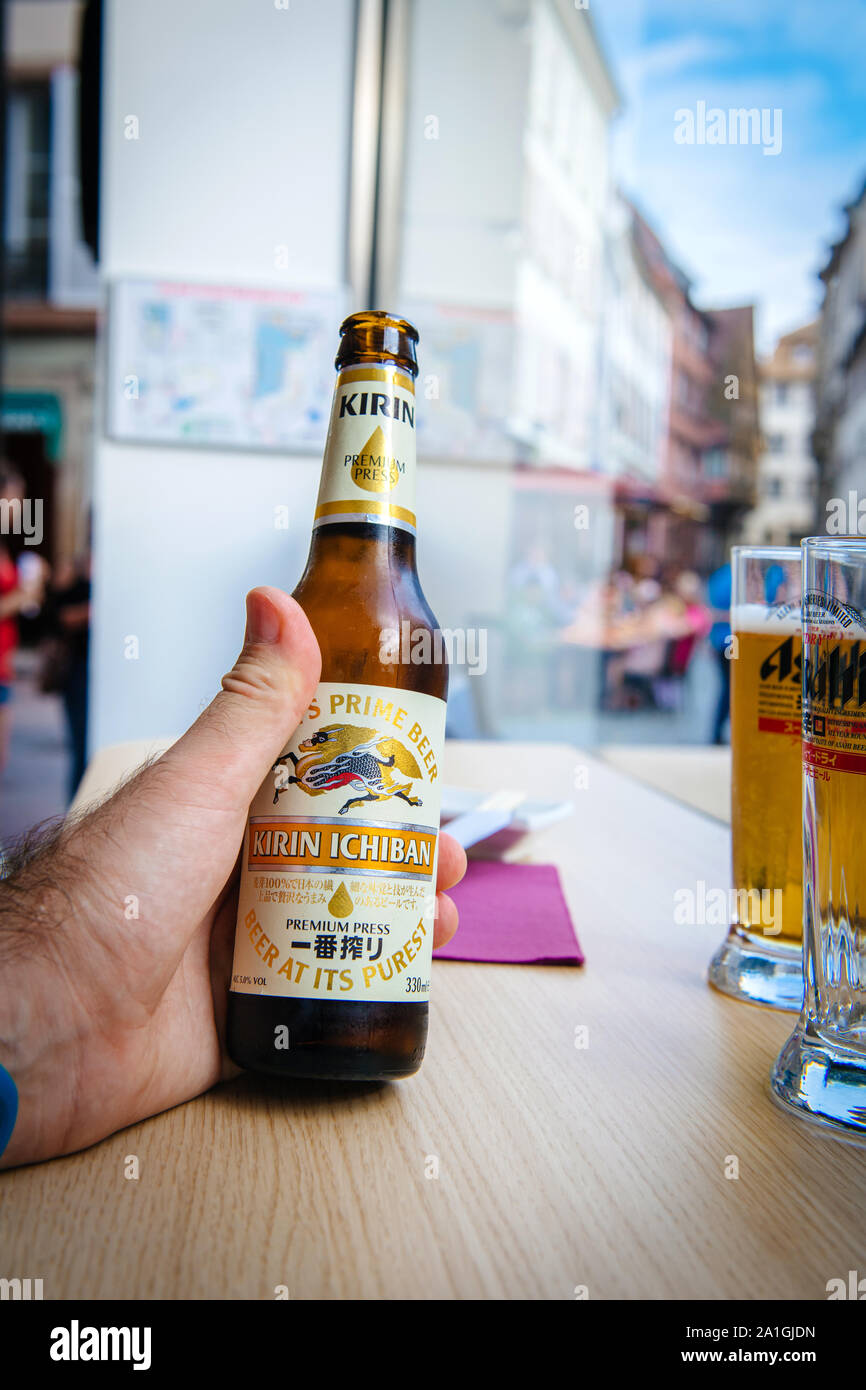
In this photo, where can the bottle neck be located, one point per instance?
(361, 547)
(368, 470)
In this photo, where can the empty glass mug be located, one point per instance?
(821, 1070)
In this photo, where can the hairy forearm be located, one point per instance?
(77, 990)
(41, 1023)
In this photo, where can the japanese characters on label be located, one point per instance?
(834, 707)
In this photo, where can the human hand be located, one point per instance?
(116, 938)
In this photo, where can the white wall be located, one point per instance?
(469, 66)
(243, 114)
(243, 147)
(181, 536)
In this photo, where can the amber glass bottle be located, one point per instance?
(331, 973)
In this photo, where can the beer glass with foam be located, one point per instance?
(760, 960)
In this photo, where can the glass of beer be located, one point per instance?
(760, 960)
(821, 1070)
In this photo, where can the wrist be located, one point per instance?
(39, 1042)
(40, 1059)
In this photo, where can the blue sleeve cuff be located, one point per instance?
(8, 1107)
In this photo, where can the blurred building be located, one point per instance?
(52, 288)
(636, 360)
(730, 464)
(500, 244)
(840, 425)
(787, 469)
(500, 193)
(635, 381)
(707, 476)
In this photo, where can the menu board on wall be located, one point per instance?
(220, 365)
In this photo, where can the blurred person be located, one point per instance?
(18, 592)
(535, 570)
(624, 588)
(536, 612)
(538, 575)
(687, 588)
(70, 613)
(719, 591)
(685, 620)
(531, 624)
(569, 597)
(637, 669)
(34, 573)
(645, 661)
(608, 600)
(106, 1019)
(646, 566)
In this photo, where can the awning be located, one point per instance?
(34, 412)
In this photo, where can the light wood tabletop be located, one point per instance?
(699, 776)
(516, 1164)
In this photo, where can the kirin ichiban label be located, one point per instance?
(368, 472)
(338, 875)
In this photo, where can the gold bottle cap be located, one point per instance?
(374, 336)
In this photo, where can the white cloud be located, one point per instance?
(672, 56)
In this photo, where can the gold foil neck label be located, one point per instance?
(370, 450)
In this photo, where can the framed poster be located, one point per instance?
(221, 366)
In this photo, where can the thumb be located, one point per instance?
(230, 748)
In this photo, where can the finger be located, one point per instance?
(452, 861)
(446, 920)
(232, 745)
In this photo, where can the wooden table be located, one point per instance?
(557, 1166)
(699, 776)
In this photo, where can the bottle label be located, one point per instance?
(338, 874)
(834, 707)
(368, 473)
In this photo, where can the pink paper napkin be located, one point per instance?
(512, 912)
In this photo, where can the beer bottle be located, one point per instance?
(331, 972)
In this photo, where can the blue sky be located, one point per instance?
(745, 226)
